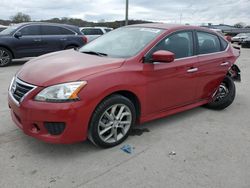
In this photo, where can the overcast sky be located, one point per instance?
(191, 11)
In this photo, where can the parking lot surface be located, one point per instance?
(197, 148)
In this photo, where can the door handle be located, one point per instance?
(192, 70)
(224, 64)
(63, 39)
(37, 40)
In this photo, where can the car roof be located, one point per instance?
(171, 26)
(72, 27)
(96, 28)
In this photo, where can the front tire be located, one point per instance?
(111, 121)
(224, 96)
(70, 47)
(5, 57)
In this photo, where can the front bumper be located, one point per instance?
(31, 116)
(236, 40)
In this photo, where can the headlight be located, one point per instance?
(61, 92)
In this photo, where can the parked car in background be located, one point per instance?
(2, 27)
(35, 39)
(94, 32)
(238, 38)
(131, 75)
(245, 43)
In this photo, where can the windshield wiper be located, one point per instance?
(95, 53)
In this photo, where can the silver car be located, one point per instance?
(240, 37)
(94, 32)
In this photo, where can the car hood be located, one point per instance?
(65, 66)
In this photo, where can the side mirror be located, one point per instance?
(163, 56)
(18, 34)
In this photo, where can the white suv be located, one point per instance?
(94, 32)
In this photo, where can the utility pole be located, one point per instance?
(180, 17)
(126, 16)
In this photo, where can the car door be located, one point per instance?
(213, 65)
(29, 43)
(170, 85)
(53, 38)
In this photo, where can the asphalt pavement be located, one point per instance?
(196, 148)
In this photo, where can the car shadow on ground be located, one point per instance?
(17, 63)
(35, 146)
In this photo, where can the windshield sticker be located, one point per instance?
(151, 30)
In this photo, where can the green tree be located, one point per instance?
(239, 25)
(20, 17)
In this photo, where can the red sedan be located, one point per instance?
(131, 75)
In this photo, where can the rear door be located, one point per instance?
(171, 85)
(213, 63)
(30, 43)
(54, 38)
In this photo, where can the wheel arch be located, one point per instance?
(71, 44)
(235, 73)
(131, 96)
(4, 46)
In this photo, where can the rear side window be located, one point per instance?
(65, 31)
(54, 30)
(92, 31)
(31, 30)
(181, 44)
(208, 43)
(50, 30)
(224, 44)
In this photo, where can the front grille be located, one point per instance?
(19, 89)
(55, 128)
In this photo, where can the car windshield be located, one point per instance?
(9, 30)
(122, 43)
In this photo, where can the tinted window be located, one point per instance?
(65, 31)
(208, 43)
(55, 30)
(92, 31)
(224, 44)
(1, 29)
(31, 30)
(50, 30)
(181, 44)
(108, 30)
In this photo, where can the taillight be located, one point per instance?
(85, 40)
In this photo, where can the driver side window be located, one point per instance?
(31, 30)
(181, 44)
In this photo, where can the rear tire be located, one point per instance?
(111, 121)
(70, 47)
(225, 95)
(5, 57)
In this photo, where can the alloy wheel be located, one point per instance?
(4, 57)
(222, 92)
(114, 123)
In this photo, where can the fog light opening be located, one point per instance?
(35, 128)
